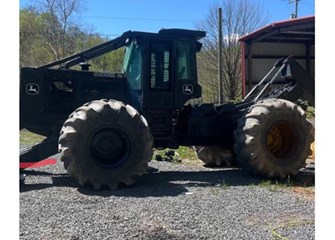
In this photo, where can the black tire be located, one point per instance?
(105, 143)
(214, 156)
(273, 138)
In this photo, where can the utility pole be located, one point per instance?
(296, 7)
(220, 90)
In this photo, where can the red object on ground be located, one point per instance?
(38, 164)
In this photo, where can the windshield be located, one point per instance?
(132, 65)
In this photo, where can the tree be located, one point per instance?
(61, 25)
(33, 51)
(50, 30)
(109, 62)
(240, 17)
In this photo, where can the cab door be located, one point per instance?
(158, 88)
(186, 84)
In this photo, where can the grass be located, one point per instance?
(305, 188)
(273, 187)
(187, 154)
(276, 185)
(224, 185)
(29, 138)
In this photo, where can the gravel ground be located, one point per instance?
(172, 201)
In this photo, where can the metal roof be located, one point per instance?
(293, 30)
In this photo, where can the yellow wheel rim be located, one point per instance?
(280, 139)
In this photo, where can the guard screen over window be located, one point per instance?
(160, 66)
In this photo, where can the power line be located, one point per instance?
(140, 19)
(74, 34)
(311, 4)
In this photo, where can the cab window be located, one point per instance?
(160, 66)
(185, 60)
(132, 65)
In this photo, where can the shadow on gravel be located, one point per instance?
(169, 183)
(58, 180)
(174, 183)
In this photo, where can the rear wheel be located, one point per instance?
(273, 138)
(105, 143)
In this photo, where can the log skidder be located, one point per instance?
(105, 143)
(105, 124)
(273, 138)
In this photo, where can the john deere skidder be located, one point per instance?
(105, 125)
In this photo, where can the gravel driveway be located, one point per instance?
(172, 201)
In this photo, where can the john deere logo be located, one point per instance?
(187, 89)
(32, 89)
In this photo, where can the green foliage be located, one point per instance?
(110, 62)
(33, 49)
(310, 111)
(45, 37)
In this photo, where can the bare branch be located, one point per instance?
(240, 17)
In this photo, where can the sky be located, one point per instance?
(113, 17)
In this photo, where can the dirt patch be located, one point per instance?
(305, 192)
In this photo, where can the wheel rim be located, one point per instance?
(281, 139)
(110, 147)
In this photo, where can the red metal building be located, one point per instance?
(263, 47)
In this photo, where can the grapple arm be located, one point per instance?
(298, 83)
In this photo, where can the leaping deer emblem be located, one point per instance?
(32, 89)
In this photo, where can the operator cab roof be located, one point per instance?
(170, 33)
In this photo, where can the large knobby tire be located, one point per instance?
(214, 156)
(273, 138)
(105, 143)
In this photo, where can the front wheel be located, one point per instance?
(273, 138)
(105, 143)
